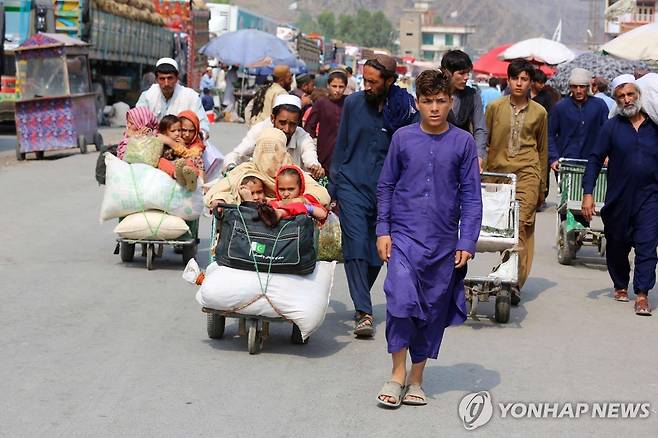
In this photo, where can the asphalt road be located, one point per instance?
(92, 347)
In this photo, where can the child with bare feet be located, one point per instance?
(176, 157)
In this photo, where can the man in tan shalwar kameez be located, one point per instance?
(518, 143)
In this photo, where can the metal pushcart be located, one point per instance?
(255, 327)
(499, 233)
(572, 231)
(152, 248)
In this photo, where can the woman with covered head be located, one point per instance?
(139, 121)
(269, 156)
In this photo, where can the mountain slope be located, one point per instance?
(497, 21)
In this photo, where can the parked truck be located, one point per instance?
(126, 39)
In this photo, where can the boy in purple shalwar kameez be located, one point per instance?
(429, 214)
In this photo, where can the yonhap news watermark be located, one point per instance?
(477, 409)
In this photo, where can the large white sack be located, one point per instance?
(213, 161)
(649, 87)
(151, 187)
(152, 224)
(300, 298)
(496, 199)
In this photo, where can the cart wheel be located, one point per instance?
(296, 337)
(565, 251)
(82, 144)
(189, 251)
(98, 141)
(503, 305)
(39, 155)
(254, 339)
(127, 251)
(215, 325)
(150, 250)
(603, 243)
(20, 156)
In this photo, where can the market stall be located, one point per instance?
(57, 109)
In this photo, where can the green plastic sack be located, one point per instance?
(330, 245)
(146, 149)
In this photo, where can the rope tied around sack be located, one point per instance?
(140, 202)
(263, 290)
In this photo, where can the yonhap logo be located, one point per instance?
(476, 409)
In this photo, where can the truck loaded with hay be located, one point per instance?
(126, 38)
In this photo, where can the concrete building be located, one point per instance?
(423, 37)
(644, 12)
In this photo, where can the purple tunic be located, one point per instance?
(429, 202)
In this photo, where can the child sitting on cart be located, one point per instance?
(176, 157)
(291, 199)
(270, 155)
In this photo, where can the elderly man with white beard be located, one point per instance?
(629, 141)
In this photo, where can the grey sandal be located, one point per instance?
(364, 327)
(391, 389)
(414, 396)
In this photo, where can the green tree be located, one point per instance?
(305, 22)
(327, 24)
(345, 28)
(363, 28)
(383, 32)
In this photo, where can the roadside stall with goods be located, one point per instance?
(56, 109)
(499, 233)
(261, 274)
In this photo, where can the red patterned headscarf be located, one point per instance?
(139, 121)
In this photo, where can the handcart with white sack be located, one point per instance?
(153, 210)
(260, 275)
(499, 233)
(572, 232)
(153, 245)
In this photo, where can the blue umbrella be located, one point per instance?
(249, 47)
(296, 67)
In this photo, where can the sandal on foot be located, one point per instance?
(621, 295)
(364, 327)
(414, 396)
(391, 389)
(190, 177)
(642, 306)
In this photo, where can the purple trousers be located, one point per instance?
(422, 338)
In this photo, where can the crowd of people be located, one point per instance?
(403, 174)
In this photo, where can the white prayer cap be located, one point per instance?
(287, 99)
(621, 80)
(169, 61)
(579, 76)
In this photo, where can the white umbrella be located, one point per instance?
(639, 44)
(539, 50)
